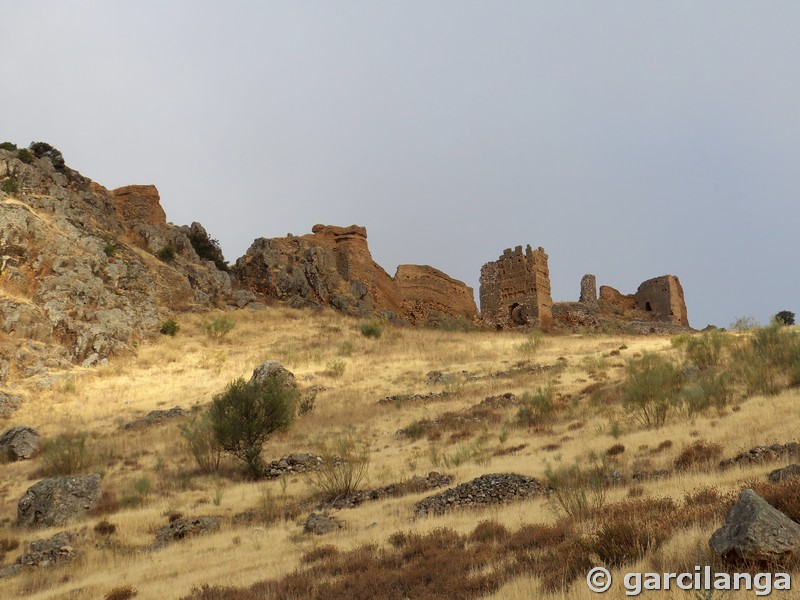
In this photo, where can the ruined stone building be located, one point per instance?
(515, 289)
(663, 296)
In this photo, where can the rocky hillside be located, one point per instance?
(86, 272)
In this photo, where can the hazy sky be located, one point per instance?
(630, 139)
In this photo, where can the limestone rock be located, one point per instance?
(53, 502)
(272, 369)
(20, 443)
(756, 533)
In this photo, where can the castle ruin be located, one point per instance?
(515, 289)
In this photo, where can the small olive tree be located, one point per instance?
(246, 414)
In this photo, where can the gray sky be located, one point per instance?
(630, 139)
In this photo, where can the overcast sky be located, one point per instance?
(629, 139)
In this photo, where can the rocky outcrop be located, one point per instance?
(759, 454)
(272, 370)
(755, 533)
(19, 443)
(426, 291)
(179, 529)
(79, 266)
(788, 472)
(321, 523)
(333, 266)
(156, 417)
(53, 502)
(482, 491)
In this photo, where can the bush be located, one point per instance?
(8, 146)
(167, 253)
(198, 432)
(785, 317)
(207, 248)
(246, 414)
(169, 327)
(578, 490)
(650, 390)
(769, 360)
(43, 149)
(336, 368)
(66, 454)
(9, 185)
(743, 323)
(537, 409)
(25, 155)
(218, 328)
(344, 466)
(371, 328)
(700, 453)
(706, 350)
(137, 492)
(110, 248)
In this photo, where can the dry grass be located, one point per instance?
(518, 550)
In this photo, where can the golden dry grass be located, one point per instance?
(189, 369)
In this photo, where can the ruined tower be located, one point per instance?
(515, 289)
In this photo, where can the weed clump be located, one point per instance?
(371, 328)
(169, 327)
(66, 454)
(218, 329)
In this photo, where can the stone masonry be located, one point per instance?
(515, 289)
(588, 289)
(663, 296)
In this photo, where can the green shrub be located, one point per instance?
(371, 328)
(218, 328)
(167, 253)
(344, 466)
(246, 414)
(336, 368)
(43, 149)
(66, 454)
(137, 492)
(170, 327)
(650, 390)
(25, 155)
(110, 248)
(8, 146)
(537, 409)
(706, 350)
(207, 248)
(712, 388)
(9, 185)
(769, 360)
(306, 403)
(198, 433)
(785, 317)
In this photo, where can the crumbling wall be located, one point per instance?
(588, 289)
(663, 296)
(426, 290)
(515, 289)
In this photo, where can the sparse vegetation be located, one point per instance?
(345, 462)
(9, 185)
(218, 329)
(169, 327)
(246, 414)
(8, 146)
(651, 390)
(166, 253)
(66, 454)
(198, 433)
(371, 328)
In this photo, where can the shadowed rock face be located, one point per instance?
(53, 502)
(333, 266)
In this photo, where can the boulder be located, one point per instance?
(9, 403)
(756, 533)
(321, 523)
(156, 417)
(272, 369)
(53, 502)
(19, 443)
(183, 528)
(788, 472)
(57, 549)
